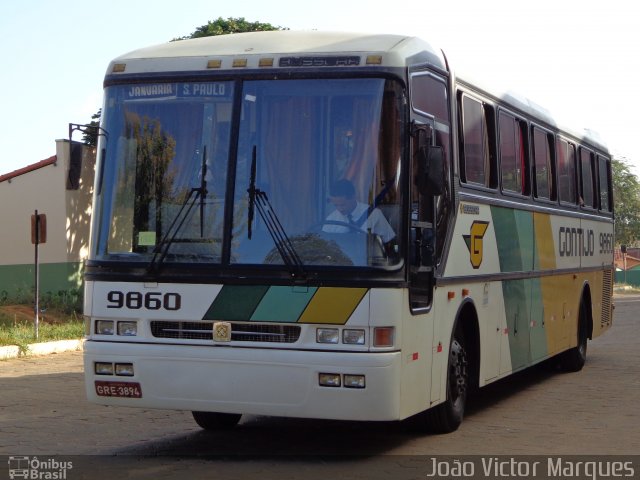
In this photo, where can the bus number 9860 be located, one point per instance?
(149, 300)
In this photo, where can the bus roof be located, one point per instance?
(311, 49)
(221, 51)
(516, 101)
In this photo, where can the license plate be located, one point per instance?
(118, 389)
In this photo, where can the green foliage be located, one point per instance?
(68, 302)
(626, 194)
(222, 26)
(90, 135)
(22, 333)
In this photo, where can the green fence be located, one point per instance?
(630, 277)
(60, 284)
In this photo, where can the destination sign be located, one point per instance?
(179, 90)
(152, 91)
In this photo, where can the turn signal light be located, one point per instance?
(383, 336)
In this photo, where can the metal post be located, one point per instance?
(37, 283)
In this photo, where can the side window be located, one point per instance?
(429, 95)
(566, 170)
(543, 166)
(476, 153)
(604, 174)
(586, 178)
(512, 154)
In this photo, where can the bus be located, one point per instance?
(334, 226)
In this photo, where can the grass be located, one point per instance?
(622, 288)
(15, 329)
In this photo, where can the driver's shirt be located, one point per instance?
(376, 222)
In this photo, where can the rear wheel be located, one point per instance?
(447, 416)
(213, 421)
(573, 360)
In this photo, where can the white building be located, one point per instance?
(61, 187)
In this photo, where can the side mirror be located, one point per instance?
(430, 158)
(435, 171)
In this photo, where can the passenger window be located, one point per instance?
(586, 178)
(476, 154)
(512, 154)
(604, 173)
(543, 165)
(566, 171)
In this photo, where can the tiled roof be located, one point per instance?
(29, 168)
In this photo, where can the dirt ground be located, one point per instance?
(24, 313)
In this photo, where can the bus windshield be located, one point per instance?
(312, 167)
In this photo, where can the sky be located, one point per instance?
(577, 58)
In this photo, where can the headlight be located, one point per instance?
(354, 381)
(128, 329)
(327, 335)
(104, 327)
(353, 337)
(329, 379)
(103, 368)
(124, 369)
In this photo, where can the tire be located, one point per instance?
(447, 416)
(214, 421)
(573, 360)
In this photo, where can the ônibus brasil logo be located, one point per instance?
(34, 468)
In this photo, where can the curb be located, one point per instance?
(44, 348)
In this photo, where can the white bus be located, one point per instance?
(333, 226)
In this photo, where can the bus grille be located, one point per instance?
(607, 292)
(240, 332)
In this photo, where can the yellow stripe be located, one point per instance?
(544, 241)
(332, 305)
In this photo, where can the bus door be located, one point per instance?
(430, 121)
(430, 131)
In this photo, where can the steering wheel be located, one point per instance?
(352, 227)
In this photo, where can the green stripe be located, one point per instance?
(236, 302)
(516, 304)
(283, 304)
(538, 334)
(524, 308)
(514, 234)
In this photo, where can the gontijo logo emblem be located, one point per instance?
(474, 242)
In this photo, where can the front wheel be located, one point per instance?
(447, 416)
(214, 421)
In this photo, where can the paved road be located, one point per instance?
(43, 412)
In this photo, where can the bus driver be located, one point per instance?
(350, 211)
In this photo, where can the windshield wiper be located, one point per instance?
(162, 249)
(258, 199)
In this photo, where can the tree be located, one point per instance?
(220, 26)
(90, 134)
(626, 195)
